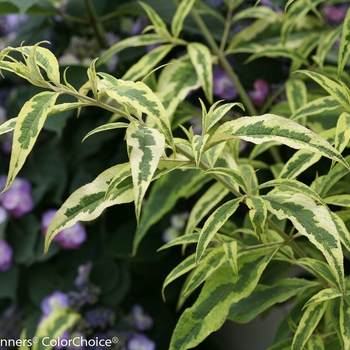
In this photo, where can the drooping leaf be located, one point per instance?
(307, 324)
(109, 126)
(313, 221)
(270, 127)
(145, 147)
(7, 126)
(201, 59)
(181, 13)
(344, 50)
(89, 201)
(29, 123)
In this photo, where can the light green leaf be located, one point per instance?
(89, 201)
(264, 297)
(109, 126)
(344, 49)
(342, 200)
(315, 342)
(7, 126)
(261, 148)
(256, 12)
(147, 62)
(183, 9)
(313, 221)
(296, 94)
(63, 107)
(231, 252)
(145, 147)
(343, 232)
(93, 78)
(29, 123)
(198, 144)
(270, 127)
(133, 41)
(202, 62)
(185, 239)
(298, 163)
(344, 320)
(23, 337)
(323, 295)
(342, 133)
(213, 224)
(19, 69)
(307, 324)
(257, 214)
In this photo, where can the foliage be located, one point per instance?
(262, 175)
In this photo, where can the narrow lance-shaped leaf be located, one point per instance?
(201, 59)
(344, 320)
(307, 324)
(344, 49)
(181, 13)
(30, 121)
(89, 201)
(270, 127)
(257, 214)
(313, 221)
(343, 232)
(109, 126)
(198, 144)
(145, 147)
(296, 94)
(93, 78)
(7, 126)
(323, 295)
(213, 224)
(231, 252)
(342, 133)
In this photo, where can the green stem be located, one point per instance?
(224, 62)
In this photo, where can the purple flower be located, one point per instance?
(139, 25)
(5, 255)
(335, 13)
(53, 301)
(83, 275)
(142, 320)
(223, 85)
(141, 342)
(69, 238)
(17, 199)
(261, 89)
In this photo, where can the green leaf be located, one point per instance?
(23, 6)
(263, 297)
(201, 59)
(89, 201)
(323, 295)
(30, 121)
(256, 12)
(298, 163)
(296, 94)
(315, 342)
(342, 133)
(343, 232)
(344, 50)
(231, 252)
(8, 125)
(109, 126)
(342, 200)
(147, 62)
(307, 324)
(270, 127)
(220, 291)
(213, 224)
(198, 144)
(313, 221)
(344, 320)
(181, 13)
(145, 147)
(185, 239)
(133, 41)
(257, 214)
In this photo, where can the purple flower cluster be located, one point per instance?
(6, 253)
(335, 14)
(69, 238)
(261, 89)
(223, 85)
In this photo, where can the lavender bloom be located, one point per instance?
(141, 342)
(6, 253)
(83, 275)
(139, 25)
(258, 95)
(222, 85)
(3, 215)
(178, 221)
(17, 199)
(142, 320)
(335, 14)
(53, 301)
(69, 238)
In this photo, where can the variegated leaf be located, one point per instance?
(220, 291)
(323, 295)
(315, 342)
(213, 224)
(204, 205)
(109, 126)
(183, 9)
(29, 123)
(337, 91)
(307, 324)
(296, 94)
(202, 62)
(342, 133)
(133, 41)
(184, 239)
(342, 200)
(317, 106)
(344, 49)
(256, 12)
(93, 78)
(175, 82)
(8, 125)
(313, 221)
(264, 297)
(344, 320)
(231, 249)
(270, 127)
(63, 107)
(343, 232)
(257, 214)
(147, 62)
(249, 173)
(145, 147)
(262, 147)
(88, 202)
(198, 144)
(210, 263)
(298, 163)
